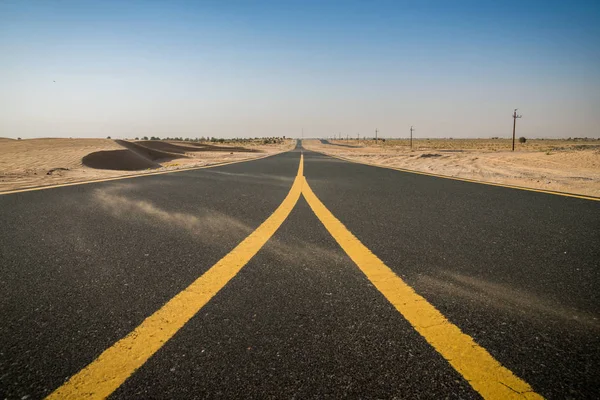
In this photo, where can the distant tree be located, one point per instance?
(137, 138)
(108, 137)
(522, 139)
(145, 138)
(18, 138)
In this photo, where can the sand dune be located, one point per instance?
(120, 160)
(135, 157)
(184, 147)
(166, 146)
(150, 151)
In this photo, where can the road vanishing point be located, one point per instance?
(299, 276)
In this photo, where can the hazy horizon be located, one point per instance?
(191, 69)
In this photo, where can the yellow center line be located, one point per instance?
(106, 373)
(484, 373)
(117, 363)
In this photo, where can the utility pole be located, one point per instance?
(375, 135)
(411, 131)
(347, 137)
(515, 116)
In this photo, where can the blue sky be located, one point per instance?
(242, 68)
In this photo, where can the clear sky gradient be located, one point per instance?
(245, 69)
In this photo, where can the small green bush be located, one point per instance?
(522, 140)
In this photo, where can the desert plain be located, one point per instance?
(568, 165)
(32, 163)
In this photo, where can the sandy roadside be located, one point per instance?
(43, 162)
(565, 166)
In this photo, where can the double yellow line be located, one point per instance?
(110, 370)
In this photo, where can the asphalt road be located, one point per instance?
(83, 266)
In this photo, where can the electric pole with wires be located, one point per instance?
(515, 116)
(411, 131)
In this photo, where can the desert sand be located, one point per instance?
(41, 162)
(571, 166)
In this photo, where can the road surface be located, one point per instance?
(298, 276)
